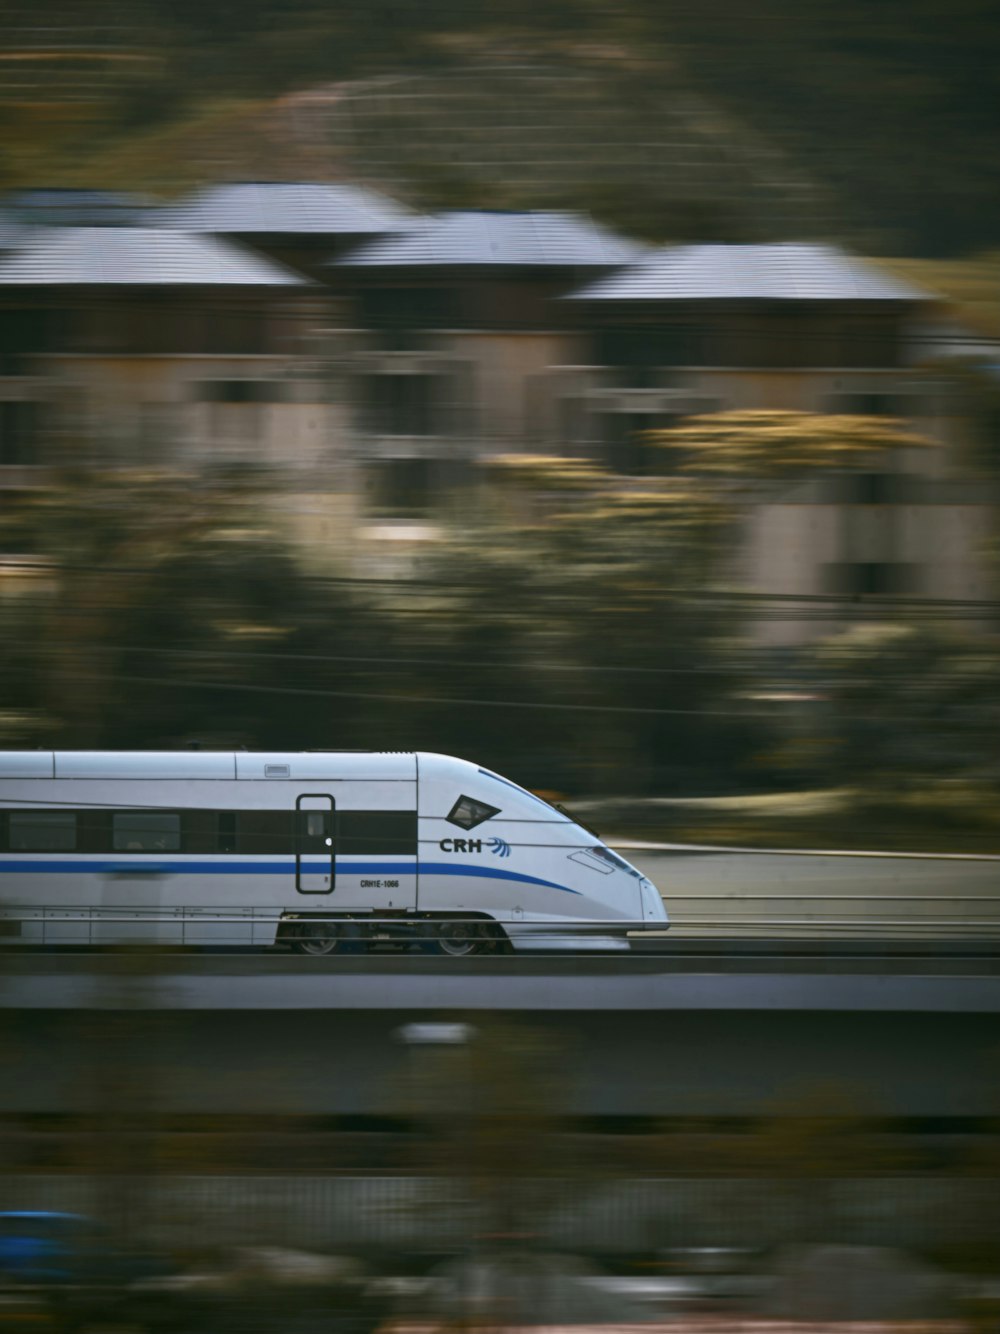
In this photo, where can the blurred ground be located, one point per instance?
(773, 893)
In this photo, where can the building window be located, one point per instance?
(627, 449)
(638, 353)
(871, 344)
(871, 578)
(870, 404)
(23, 333)
(237, 409)
(18, 432)
(873, 488)
(398, 404)
(42, 831)
(241, 391)
(399, 313)
(402, 488)
(146, 831)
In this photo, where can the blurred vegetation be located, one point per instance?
(719, 121)
(577, 631)
(972, 286)
(912, 705)
(740, 449)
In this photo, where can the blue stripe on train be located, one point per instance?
(271, 868)
(488, 873)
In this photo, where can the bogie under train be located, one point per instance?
(323, 850)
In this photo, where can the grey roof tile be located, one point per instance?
(549, 240)
(136, 257)
(779, 272)
(279, 208)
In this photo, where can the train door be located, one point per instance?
(315, 850)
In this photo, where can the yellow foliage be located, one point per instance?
(765, 445)
(547, 472)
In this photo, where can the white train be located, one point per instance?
(320, 849)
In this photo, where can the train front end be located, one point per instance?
(490, 848)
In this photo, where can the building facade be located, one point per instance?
(370, 361)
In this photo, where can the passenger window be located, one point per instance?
(146, 831)
(315, 829)
(227, 831)
(198, 831)
(265, 831)
(467, 812)
(42, 831)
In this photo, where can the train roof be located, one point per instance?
(208, 764)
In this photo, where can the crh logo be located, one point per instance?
(498, 846)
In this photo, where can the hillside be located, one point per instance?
(873, 125)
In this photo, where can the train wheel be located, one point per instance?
(320, 938)
(459, 939)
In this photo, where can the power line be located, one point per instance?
(409, 699)
(453, 701)
(478, 665)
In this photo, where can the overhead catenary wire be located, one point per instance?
(450, 700)
(453, 700)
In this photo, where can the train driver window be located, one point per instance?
(467, 812)
(42, 831)
(146, 831)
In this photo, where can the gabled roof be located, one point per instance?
(282, 209)
(485, 239)
(136, 257)
(781, 272)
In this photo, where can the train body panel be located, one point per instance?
(542, 858)
(220, 848)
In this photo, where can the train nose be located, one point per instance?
(651, 902)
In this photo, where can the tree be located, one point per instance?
(910, 703)
(594, 587)
(613, 583)
(156, 585)
(736, 450)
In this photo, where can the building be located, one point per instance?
(371, 359)
(302, 224)
(458, 323)
(807, 328)
(126, 346)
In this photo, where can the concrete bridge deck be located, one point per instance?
(765, 976)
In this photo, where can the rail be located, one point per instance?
(941, 916)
